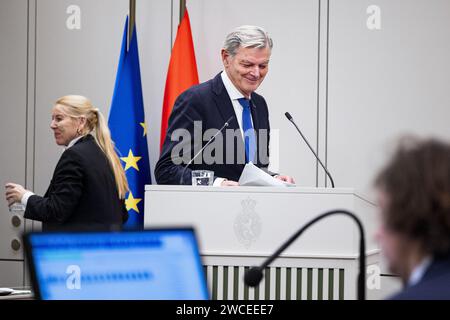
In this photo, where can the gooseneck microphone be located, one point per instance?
(289, 117)
(253, 276)
(226, 124)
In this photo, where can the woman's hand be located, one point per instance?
(14, 193)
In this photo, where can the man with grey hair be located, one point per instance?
(231, 94)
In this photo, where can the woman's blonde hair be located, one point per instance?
(78, 106)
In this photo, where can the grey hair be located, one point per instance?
(247, 37)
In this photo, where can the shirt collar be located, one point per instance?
(419, 271)
(233, 92)
(71, 143)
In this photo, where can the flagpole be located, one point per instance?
(132, 20)
(182, 9)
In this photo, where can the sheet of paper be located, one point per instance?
(254, 176)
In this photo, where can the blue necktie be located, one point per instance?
(249, 133)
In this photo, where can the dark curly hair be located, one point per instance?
(417, 184)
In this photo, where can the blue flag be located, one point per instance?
(129, 130)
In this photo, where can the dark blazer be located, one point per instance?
(82, 194)
(435, 284)
(210, 103)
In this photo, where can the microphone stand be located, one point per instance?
(254, 276)
(289, 117)
(201, 150)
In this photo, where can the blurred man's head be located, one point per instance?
(245, 56)
(414, 200)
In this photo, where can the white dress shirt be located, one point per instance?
(234, 95)
(419, 271)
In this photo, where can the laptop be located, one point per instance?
(161, 264)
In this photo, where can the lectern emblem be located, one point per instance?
(247, 225)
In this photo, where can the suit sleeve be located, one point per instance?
(264, 158)
(180, 134)
(266, 167)
(64, 192)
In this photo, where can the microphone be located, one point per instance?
(289, 117)
(226, 124)
(253, 276)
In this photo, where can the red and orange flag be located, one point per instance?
(182, 73)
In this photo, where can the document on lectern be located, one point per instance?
(254, 176)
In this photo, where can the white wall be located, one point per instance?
(13, 104)
(384, 83)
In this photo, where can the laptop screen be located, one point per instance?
(149, 264)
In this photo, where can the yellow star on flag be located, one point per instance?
(131, 203)
(131, 161)
(144, 125)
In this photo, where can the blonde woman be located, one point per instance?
(88, 187)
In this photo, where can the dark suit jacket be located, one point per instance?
(210, 103)
(435, 284)
(82, 193)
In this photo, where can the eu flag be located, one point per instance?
(129, 130)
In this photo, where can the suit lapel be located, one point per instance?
(256, 125)
(223, 102)
(225, 107)
(254, 111)
(226, 110)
